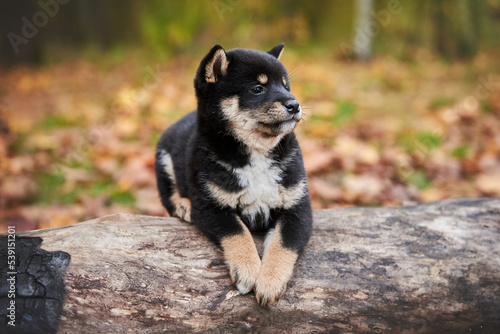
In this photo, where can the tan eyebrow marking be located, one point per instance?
(284, 81)
(262, 78)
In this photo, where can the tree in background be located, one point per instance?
(363, 32)
(457, 27)
(452, 28)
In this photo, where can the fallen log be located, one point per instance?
(431, 268)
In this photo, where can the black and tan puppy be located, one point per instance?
(234, 166)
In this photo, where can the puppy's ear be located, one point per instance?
(277, 51)
(215, 64)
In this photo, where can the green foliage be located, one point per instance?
(101, 188)
(421, 143)
(408, 141)
(51, 122)
(485, 107)
(345, 112)
(49, 187)
(19, 144)
(69, 198)
(169, 26)
(428, 140)
(460, 152)
(419, 179)
(123, 198)
(155, 136)
(441, 102)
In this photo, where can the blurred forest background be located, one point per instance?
(402, 98)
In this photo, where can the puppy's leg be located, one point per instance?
(227, 231)
(276, 270)
(281, 250)
(242, 258)
(176, 205)
(182, 207)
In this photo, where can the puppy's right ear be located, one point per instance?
(216, 64)
(277, 51)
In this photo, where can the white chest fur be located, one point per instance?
(262, 190)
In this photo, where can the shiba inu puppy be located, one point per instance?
(234, 166)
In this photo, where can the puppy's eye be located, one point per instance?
(257, 90)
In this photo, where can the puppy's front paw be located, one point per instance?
(243, 260)
(269, 289)
(183, 209)
(276, 270)
(244, 274)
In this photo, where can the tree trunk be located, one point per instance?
(431, 268)
(363, 33)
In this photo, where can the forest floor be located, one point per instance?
(77, 138)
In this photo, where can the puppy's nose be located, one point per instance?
(292, 106)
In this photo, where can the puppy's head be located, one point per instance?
(251, 89)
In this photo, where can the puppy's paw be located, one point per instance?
(269, 289)
(244, 274)
(242, 259)
(183, 209)
(276, 270)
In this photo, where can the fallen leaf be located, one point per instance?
(489, 182)
(324, 189)
(366, 188)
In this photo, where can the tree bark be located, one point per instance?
(431, 268)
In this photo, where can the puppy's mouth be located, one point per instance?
(273, 129)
